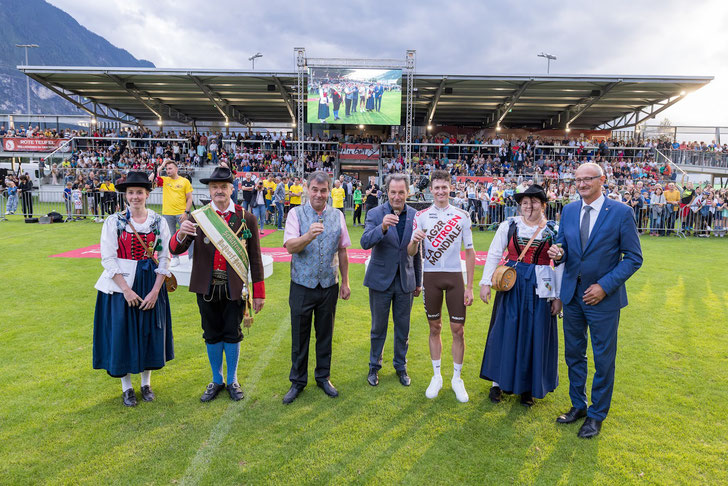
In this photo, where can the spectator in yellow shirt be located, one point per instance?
(108, 191)
(270, 186)
(296, 190)
(337, 196)
(176, 199)
(672, 198)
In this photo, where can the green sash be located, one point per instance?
(229, 245)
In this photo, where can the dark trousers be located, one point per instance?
(221, 317)
(379, 305)
(306, 304)
(602, 326)
(347, 106)
(357, 214)
(27, 199)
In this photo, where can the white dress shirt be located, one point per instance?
(596, 207)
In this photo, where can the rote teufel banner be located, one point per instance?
(19, 144)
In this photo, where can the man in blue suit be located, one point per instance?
(600, 249)
(393, 277)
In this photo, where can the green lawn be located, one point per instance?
(63, 423)
(390, 113)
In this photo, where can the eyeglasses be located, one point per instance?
(586, 179)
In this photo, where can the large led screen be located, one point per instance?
(354, 96)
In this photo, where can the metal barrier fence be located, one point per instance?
(700, 158)
(85, 205)
(657, 220)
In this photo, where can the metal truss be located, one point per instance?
(500, 113)
(156, 106)
(300, 105)
(410, 65)
(580, 108)
(286, 97)
(227, 110)
(87, 105)
(435, 100)
(640, 115)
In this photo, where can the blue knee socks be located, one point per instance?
(232, 353)
(214, 354)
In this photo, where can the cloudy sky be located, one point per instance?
(666, 37)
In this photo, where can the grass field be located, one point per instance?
(390, 113)
(63, 423)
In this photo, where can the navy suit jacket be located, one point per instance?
(612, 254)
(388, 253)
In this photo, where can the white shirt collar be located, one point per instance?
(596, 205)
(229, 209)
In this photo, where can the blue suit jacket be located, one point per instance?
(388, 253)
(613, 252)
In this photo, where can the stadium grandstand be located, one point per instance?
(495, 134)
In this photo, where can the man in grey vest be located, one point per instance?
(317, 237)
(393, 276)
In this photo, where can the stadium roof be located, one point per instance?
(513, 101)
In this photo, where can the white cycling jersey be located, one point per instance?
(446, 230)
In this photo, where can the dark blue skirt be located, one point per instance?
(370, 103)
(130, 340)
(521, 353)
(323, 112)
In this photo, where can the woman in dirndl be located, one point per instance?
(323, 107)
(521, 353)
(132, 322)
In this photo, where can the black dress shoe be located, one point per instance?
(527, 399)
(236, 393)
(571, 416)
(328, 388)
(495, 394)
(404, 377)
(128, 398)
(590, 428)
(292, 394)
(147, 394)
(211, 392)
(373, 377)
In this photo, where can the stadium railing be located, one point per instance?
(679, 220)
(438, 150)
(3, 206)
(699, 158)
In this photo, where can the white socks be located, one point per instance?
(146, 377)
(126, 382)
(457, 368)
(436, 366)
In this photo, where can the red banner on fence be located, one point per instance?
(32, 144)
(476, 179)
(359, 151)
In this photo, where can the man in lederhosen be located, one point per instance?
(222, 295)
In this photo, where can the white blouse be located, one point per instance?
(110, 244)
(500, 244)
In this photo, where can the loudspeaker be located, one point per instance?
(271, 87)
(31, 220)
(448, 90)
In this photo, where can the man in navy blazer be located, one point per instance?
(393, 277)
(600, 250)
